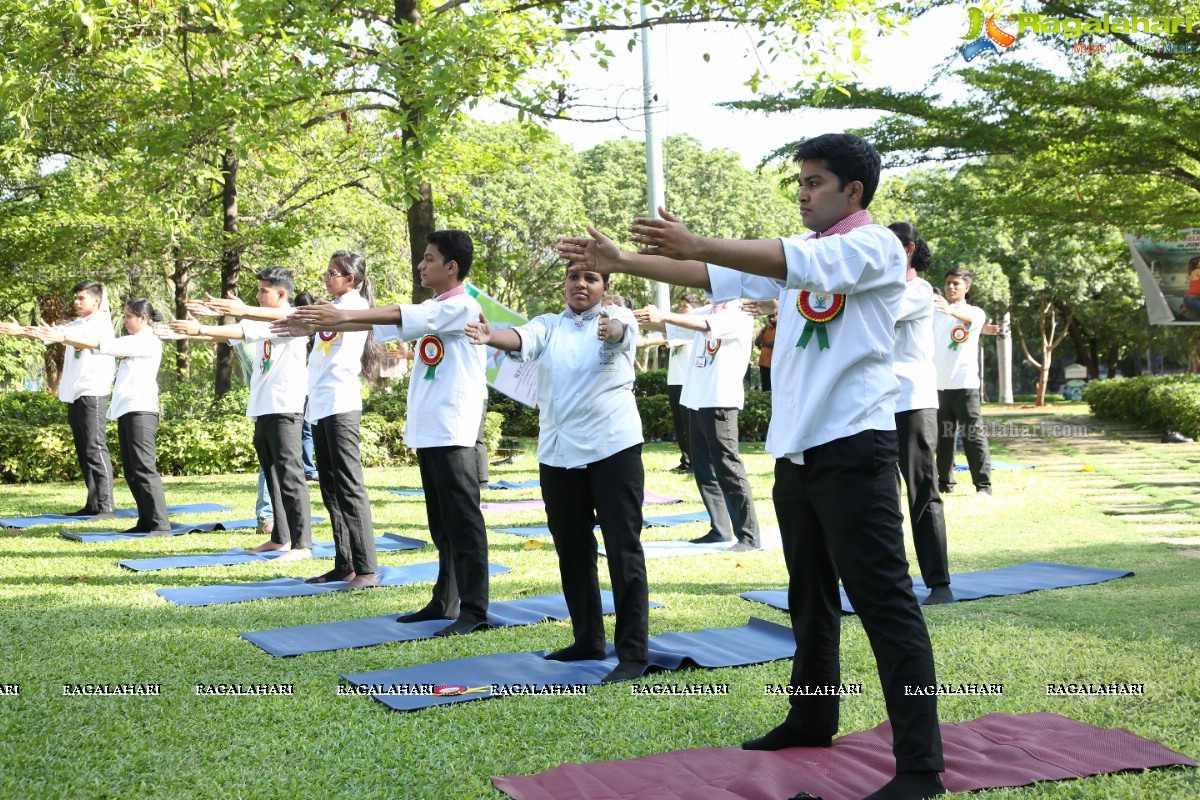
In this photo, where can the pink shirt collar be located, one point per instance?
(846, 224)
(455, 292)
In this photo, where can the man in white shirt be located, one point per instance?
(278, 388)
(833, 433)
(956, 329)
(678, 362)
(713, 394)
(446, 393)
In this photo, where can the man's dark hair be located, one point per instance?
(455, 246)
(848, 157)
(960, 273)
(907, 234)
(94, 288)
(692, 299)
(278, 276)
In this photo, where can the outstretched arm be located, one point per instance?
(49, 333)
(191, 327)
(328, 317)
(669, 237)
(482, 332)
(652, 318)
(599, 253)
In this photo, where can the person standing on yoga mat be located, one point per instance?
(134, 406)
(277, 392)
(446, 394)
(916, 416)
(590, 461)
(334, 409)
(85, 385)
(832, 432)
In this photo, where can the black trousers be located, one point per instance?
(917, 434)
(608, 491)
(86, 416)
(481, 453)
(450, 477)
(839, 516)
(137, 433)
(339, 470)
(764, 375)
(682, 419)
(961, 407)
(721, 476)
(277, 442)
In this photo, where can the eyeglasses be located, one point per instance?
(331, 274)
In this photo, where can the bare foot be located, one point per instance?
(296, 554)
(360, 582)
(268, 546)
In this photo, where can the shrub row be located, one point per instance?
(39, 452)
(1158, 402)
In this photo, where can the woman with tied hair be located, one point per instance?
(134, 406)
(334, 409)
(916, 416)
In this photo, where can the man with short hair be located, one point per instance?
(956, 330)
(833, 433)
(278, 388)
(446, 396)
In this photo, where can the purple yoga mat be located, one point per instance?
(649, 499)
(993, 751)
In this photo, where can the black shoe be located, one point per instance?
(939, 595)
(461, 627)
(910, 786)
(575, 652)
(83, 512)
(680, 469)
(783, 736)
(426, 613)
(710, 538)
(134, 529)
(312, 476)
(1170, 437)
(743, 547)
(942, 489)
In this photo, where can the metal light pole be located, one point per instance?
(655, 194)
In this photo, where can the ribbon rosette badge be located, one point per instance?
(958, 336)
(326, 341)
(432, 352)
(711, 348)
(819, 309)
(265, 366)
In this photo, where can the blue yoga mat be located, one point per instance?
(673, 549)
(177, 529)
(660, 521)
(1002, 582)
(121, 513)
(371, 631)
(407, 492)
(532, 483)
(999, 466)
(464, 679)
(221, 593)
(389, 542)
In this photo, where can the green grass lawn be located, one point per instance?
(70, 615)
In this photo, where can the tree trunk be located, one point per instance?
(181, 278)
(1084, 349)
(231, 262)
(420, 225)
(52, 357)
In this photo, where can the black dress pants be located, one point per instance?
(917, 434)
(681, 417)
(608, 491)
(86, 416)
(839, 516)
(277, 442)
(961, 407)
(137, 433)
(339, 471)
(721, 476)
(450, 477)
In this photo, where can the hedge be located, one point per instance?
(1158, 402)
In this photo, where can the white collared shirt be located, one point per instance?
(957, 367)
(817, 395)
(444, 406)
(913, 354)
(138, 357)
(279, 375)
(679, 359)
(584, 386)
(86, 373)
(334, 366)
(719, 357)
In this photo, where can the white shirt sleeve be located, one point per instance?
(916, 302)
(447, 318)
(729, 284)
(856, 262)
(534, 334)
(132, 347)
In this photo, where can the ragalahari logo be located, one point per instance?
(983, 36)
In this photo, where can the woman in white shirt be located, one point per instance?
(135, 408)
(590, 459)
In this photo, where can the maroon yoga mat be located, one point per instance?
(992, 751)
